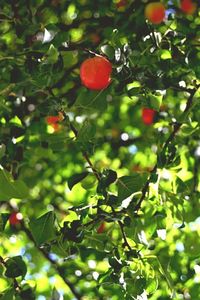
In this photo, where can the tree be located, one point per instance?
(105, 204)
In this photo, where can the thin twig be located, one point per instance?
(85, 155)
(177, 127)
(53, 263)
(195, 181)
(121, 225)
(46, 255)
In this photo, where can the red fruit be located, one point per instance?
(95, 38)
(101, 228)
(54, 119)
(148, 115)
(56, 127)
(155, 12)
(121, 3)
(15, 218)
(95, 73)
(188, 7)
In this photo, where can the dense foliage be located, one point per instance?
(98, 199)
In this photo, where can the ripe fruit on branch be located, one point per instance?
(95, 38)
(121, 4)
(155, 12)
(15, 218)
(53, 121)
(188, 7)
(95, 73)
(101, 228)
(148, 115)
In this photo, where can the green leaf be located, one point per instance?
(76, 178)
(8, 294)
(15, 267)
(108, 50)
(52, 54)
(10, 188)
(87, 132)
(69, 59)
(27, 292)
(153, 178)
(135, 91)
(3, 220)
(192, 245)
(55, 295)
(188, 129)
(152, 285)
(43, 228)
(91, 100)
(2, 150)
(115, 264)
(108, 176)
(113, 200)
(165, 54)
(127, 185)
(155, 101)
(135, 287)
(89, 182)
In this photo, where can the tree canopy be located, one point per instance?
(99, 187)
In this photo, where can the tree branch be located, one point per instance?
(46, 255)
(177, 127)
(196, 169)
(121, 225)
(85, 155)
(53, 263)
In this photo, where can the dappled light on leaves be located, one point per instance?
(99, 150)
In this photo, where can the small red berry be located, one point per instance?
(95, 38)
(56, 127)
(121, 3)
(148, 115)
(15, 218)
(101, 228)
(95, 73)
(54, 119)
(155, 12)
(188, 7)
